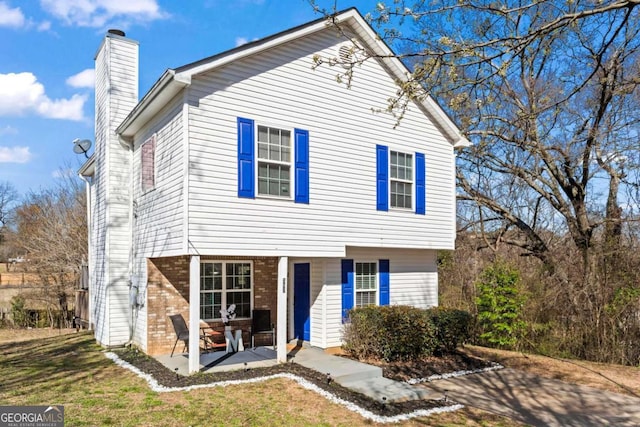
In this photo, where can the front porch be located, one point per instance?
(221, 361)
(179, 285)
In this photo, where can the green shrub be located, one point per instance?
(19, 313)
(453, 327)
(500, 306)
(389, 333)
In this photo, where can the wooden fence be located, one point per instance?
(18, 278)
(82, 307)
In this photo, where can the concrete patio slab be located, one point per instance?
(341, 369)
(539, 401)
(360, 377)
(220, 361)
(387, 390)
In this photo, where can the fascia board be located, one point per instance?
(89, 167)
(158, 96)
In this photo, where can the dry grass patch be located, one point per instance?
(8, 335)
(615, 378)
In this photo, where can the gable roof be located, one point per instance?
(173, 81)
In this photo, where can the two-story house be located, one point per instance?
(252, 177)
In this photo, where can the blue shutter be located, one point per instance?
(383, 264)
(347, 287)
(382, 177)
(246, 169)
(301, 138)
(420, 185)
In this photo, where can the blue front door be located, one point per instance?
(301, 301)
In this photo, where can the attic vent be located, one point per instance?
(345, 55)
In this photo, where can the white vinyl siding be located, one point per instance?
(116, 95)
(280, 88)
(318, 307)
(413, 279)
(159, 216)
(99, 207)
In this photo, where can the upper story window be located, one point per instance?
(223, 284)
(269, 158)
(274, 162)
(401, 180)
(366, 284)
(148, 164)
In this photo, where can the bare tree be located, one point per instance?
(52, 229)
(8, 199)
(548, 92)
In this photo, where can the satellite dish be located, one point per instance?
(81, 146)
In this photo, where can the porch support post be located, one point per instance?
(281, 327)
(194, 314)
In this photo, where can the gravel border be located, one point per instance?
(493, 367)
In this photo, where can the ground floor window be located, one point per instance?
(223, 283)
(366, 283)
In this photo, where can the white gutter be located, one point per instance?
(167, 86)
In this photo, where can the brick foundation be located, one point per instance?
(168, 293)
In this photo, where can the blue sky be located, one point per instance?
(46, 64)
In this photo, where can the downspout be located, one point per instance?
(87, 187)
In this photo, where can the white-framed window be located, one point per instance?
(401, 179)
(223, 283)
(274, 162)
(366, 284)
(148, 164)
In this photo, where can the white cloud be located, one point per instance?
(44, 26)
(11, 17)
(21, 93)
(98, 13)
(84, 79)
(14, 154)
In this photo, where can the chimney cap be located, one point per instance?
(116, 32)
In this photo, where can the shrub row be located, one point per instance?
(398, 332)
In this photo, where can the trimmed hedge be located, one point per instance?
(400, 332)
(389, 333)
(453, 327)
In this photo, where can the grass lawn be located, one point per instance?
(42, 367)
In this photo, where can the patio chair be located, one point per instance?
(261, 325)
(182, 333)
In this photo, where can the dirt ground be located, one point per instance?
(615, 378)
